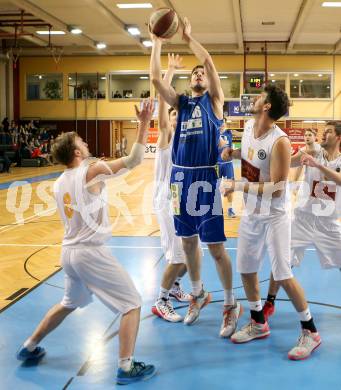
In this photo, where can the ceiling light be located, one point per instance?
(147, 42)
(133, 30)
(328, 87)
(40, 77)
(101, 45)
(183, 77)
(133, 121)
(320, 75)
(223, 77)
(273, 81)
(144, 77)
(295, 87)
(228, 121)
(103, 78)
(272, 74)
(296, 74)
(52, 32)
(134, 5)
(301, 81)
(70, 78)
(314, 121)
(75, 30)
(331, 4)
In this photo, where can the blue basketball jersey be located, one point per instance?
(197, 134)
(227, 137)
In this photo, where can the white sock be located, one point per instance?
(305, 315)
(228, 298)
(196, 287)
(164, 293)
(125, 363)
(256, 306)
(30, 345)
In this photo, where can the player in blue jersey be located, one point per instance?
(226, 170)
(196, 198)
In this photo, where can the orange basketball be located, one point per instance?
(164, 23)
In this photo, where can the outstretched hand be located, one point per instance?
(174, 61)
(145, 114)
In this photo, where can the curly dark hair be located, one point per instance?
(279, 101)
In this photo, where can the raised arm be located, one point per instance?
(214, 86)
(174, 63)
(329, 173)
(136, 154)
(165, 90)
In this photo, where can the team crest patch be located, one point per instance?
(261, 154)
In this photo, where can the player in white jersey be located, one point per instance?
(88, 265)
(311, 147)
(170, 242)
(317, 215)
(265, 155)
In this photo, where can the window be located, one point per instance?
(87, 85)
(310, 85)
(277, 79)
(129, 85)
(44, 86)
(230, 83)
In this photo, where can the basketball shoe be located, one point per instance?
(196, 304)
(251, 331)
(306, 344)
(230, 319)
(164, 309)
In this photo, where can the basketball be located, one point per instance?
(164, 23)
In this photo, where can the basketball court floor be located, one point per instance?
(82, 352)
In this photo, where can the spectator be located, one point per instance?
(117, 95)
(45, 135)
(6, 163)
(5, 124)
(124, 144)
(118, 148)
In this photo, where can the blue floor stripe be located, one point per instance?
(35, 179)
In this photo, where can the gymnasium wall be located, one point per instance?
(106, 109)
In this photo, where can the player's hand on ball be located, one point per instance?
(187, 30)
(227, 187)
(174, 62)
(146, 113)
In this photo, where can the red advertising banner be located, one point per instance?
(296, 137)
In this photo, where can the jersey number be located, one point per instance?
(68, 210)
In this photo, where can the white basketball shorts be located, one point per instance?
(93, 270)
(321, 232)
(259, 234)
(171, 244)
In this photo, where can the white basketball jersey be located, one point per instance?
(256, 158)
(317, 194)
(162, 174)
(84, 214)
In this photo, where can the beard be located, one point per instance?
(198, 88)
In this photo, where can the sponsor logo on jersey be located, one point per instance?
(261, 154)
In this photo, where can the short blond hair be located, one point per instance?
(63, 149)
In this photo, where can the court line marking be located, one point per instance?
(106, 246)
